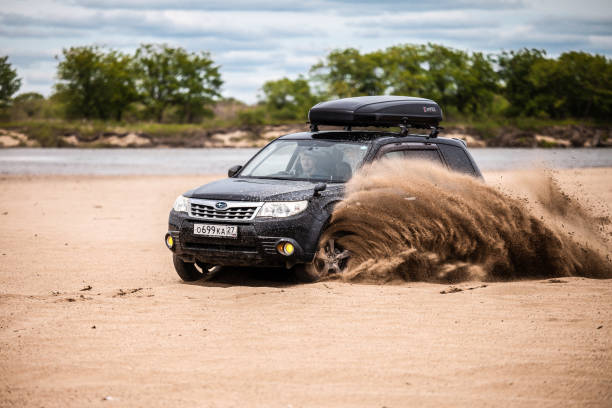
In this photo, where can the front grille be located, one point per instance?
(205, 211)
(269, 245)
(235, 210)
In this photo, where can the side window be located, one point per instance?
(423, 155)
(414, 154)
(457, 159)
(396, 154)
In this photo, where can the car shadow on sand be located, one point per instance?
(252, 277)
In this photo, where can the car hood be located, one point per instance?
(247, 189)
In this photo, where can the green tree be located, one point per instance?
(515, 69)
(546, 99)
(464, 82)
(454, 78)
(120, 83)
(287, 99)
(9, 82)
(577, 84)
(27, 105)
(583, 86)
(96, 83)
(171, 76)
(403, 68)
(346, 73)
(476, 85)
(253, 116)
(445, 68)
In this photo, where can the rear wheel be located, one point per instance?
(189, 272)
(330, 259)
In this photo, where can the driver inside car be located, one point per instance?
(308, 164)
(307, 161)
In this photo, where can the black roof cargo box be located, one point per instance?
(383, 111)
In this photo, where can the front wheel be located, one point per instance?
(189, 272)
(329, 259)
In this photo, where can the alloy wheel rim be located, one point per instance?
(331, 258)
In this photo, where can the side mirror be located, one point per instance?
(318, 188)
(233, 171)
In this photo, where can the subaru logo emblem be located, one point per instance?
(220, 205)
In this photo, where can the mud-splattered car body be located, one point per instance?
(260, 240)
(273, 210)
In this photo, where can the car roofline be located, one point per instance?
(373, 135)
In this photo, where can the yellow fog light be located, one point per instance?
(288, 248)
(169, 241)
(285, 248)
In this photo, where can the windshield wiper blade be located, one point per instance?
(273, 178)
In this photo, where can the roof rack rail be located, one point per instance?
(435, 130)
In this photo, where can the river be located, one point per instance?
(35, 161)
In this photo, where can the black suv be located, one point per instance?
(273, 210)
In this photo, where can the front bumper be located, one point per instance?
(255, 244)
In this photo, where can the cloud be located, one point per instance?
(26, 58)
(596, 25)
(259, 40)
(298, 5)
(234, 5)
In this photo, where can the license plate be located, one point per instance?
(215, 230)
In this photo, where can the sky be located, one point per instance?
(259, 40)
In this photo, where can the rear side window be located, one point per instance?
(457, 159)
(414, 154)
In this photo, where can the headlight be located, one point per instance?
(182, 204)
(282, 208)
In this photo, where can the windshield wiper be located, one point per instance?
(312, 180)
(275, 178)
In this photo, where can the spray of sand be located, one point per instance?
(414, 221)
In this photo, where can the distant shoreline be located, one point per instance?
(559, 136)
(184, 161)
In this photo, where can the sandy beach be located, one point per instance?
(93, 314)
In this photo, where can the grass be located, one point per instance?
(50, 132)
(489, 126)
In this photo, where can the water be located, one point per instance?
(492, 158)
(217, 161)
(121, 161)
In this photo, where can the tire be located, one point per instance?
(329, 259)
(187, 271)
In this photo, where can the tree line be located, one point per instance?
(511, 83)
(157, 80)
(163, 83)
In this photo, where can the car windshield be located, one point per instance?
(313, 160)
